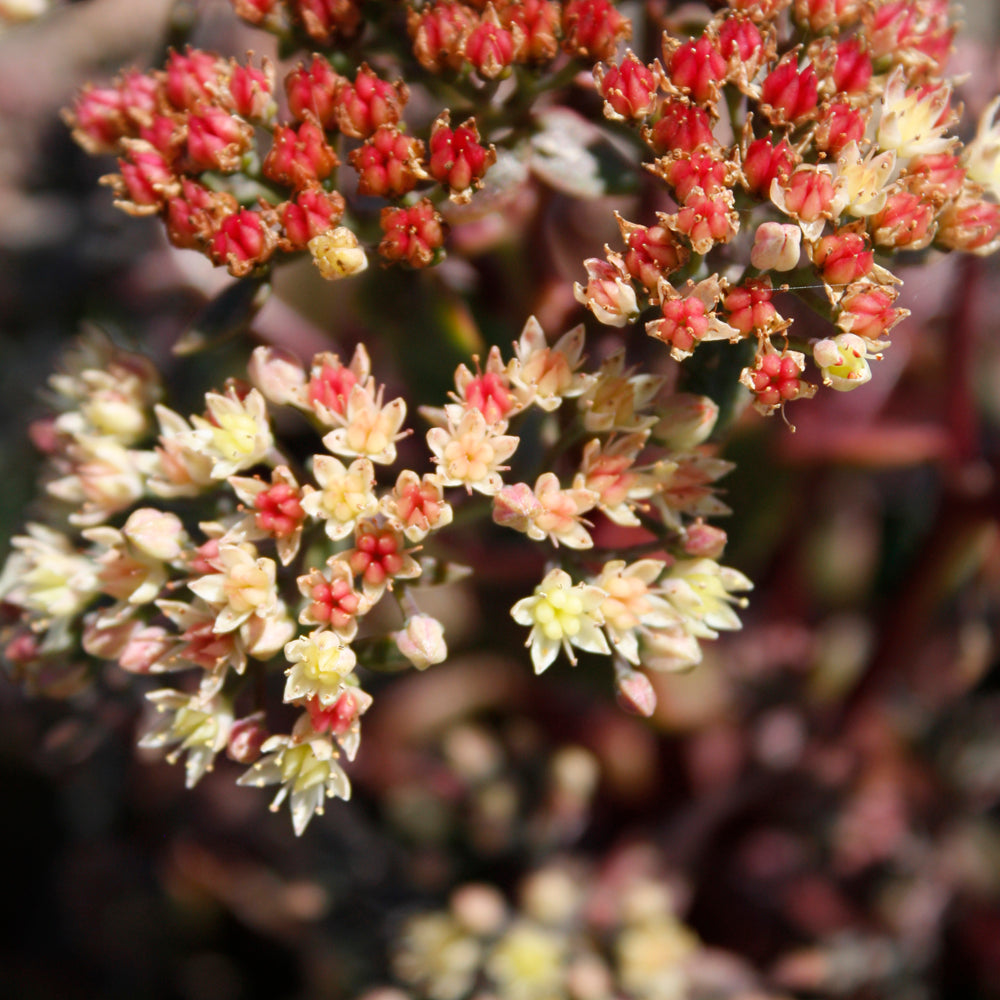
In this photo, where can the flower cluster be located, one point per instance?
(205, 545)
(201, 143)
(573, 932)
(800, 144)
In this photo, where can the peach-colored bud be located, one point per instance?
(144, 648)
(156, 532)
(479, 908)
(338, 254)
(704, 541)
(422, 641)
(277, 373)
(634, 692)
(686, 421)
(776, 247)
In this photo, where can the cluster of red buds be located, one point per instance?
(200, 143)
(829, 122)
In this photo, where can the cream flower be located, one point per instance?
(469, 453)
(193, 725)
(633, 606)
(607, 468)
(369, 429)
(347, 494)
(911, 123)
(546, 375)
(843, 361)
(46, 576)
(177, 469)
(236, 435)
(982, 156)
(320, 665)
(615, 397)
(860, 184)
(701, 592)
(243, 587)
(561, 616)
(308, 771)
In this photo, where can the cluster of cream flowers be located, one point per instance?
(199, 545)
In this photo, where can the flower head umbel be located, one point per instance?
(562, 615)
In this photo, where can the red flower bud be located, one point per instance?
(216, 140)
(439, 32)
(593, 29)
(369, 102)
(328, 20)
(192, 77)
(852, 71)
(489, 47)
(682, 127)
(314, 211)
(629, 88)
(388, 163)
(312, 91)
(698, 68)
(299, 156)
(242, 242)
(763, 162)
(412, 234)
(842, 258)
(457, 159)
(788, 94)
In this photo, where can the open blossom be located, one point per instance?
(562, 616)
(843, 361)
(346, 494)
(244, 586)
(198, 727)
(275, 511)
(633, 605)
(860, 185)
(469, 452)
(46, 576)
(177, 469)
(369, 429)
(549, 512)
(332, 601)
(701, 592)
(913, 122)
(614, 399)
(321, 664)
(416, 505)
(608, 470)
(982, 156)
(307, 771)
(546, 375)
(236, 435)
(609, 294)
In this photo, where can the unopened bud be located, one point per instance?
(704, 541)
(634, 692)
(156, 532)
(337, 254)
(422, 641)
(776, 247)
(516, 506)
(246, 738)
(278, 374)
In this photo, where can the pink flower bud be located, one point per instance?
(489, 47)
(837, 125)
(704, 541)
(158, 533)
(608, 294)
(749, 305)
(870, 313)
(216, 140)
(634, 692)
(252, 91)
(147, 178)
(439, 32)
(936, 177)
(98, 119)
(776, 247)
(808, 194)
(852, 71)
(682, 127)
(329, 21)
(191, 77)
(684, 323)
(774, 379)
(970, 224)
(741, 43)
(702, 171)
(686, 421)
(313, 211)
(242, 242)
(422, 641)
(277, 373)
(246, 737)
(652, 253)
(906, 220)
(535, 25)
(763, 162)
(843, 258)
(338, 718)
(279, 511)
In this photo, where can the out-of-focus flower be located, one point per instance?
(194, 726)
(422, 641)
